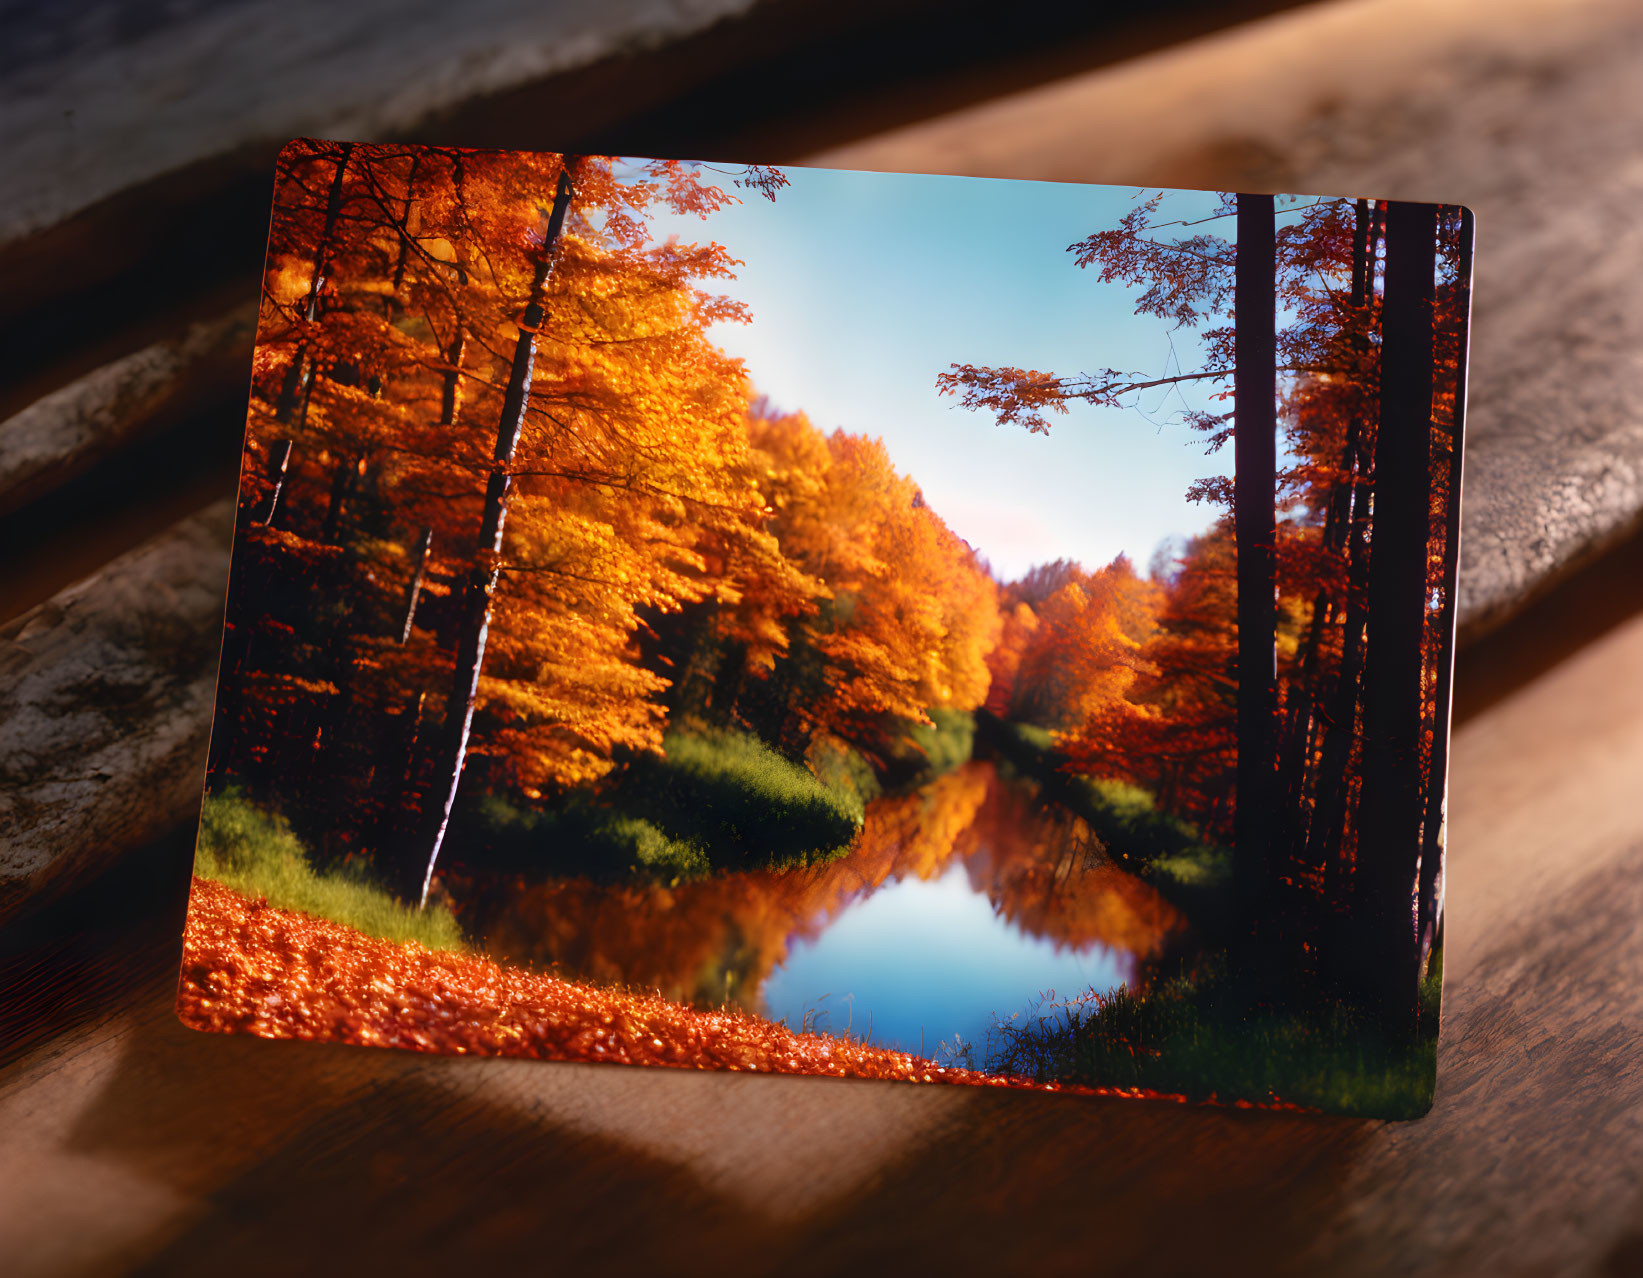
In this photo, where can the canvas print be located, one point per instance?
(858, 625)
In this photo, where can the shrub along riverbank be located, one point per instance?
(716, 800)
(1200, 1034)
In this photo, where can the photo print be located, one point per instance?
(860, 625)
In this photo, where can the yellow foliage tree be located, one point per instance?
(910, 613)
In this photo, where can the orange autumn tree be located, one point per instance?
(914, 634)
(1085, 644)
(909, 614)
(636, 495)
(621, 426)
(1174, 731)
(520, 378)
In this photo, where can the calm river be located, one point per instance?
(964, 903)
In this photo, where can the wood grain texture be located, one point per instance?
(1524, 110)
(105, 705)
(87, 421)
(135, 1145)
(95, 100)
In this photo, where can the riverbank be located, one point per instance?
(252, 968)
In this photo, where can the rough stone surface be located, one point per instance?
(1526, 111)
(105, 706)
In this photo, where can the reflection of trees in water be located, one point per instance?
(718, 939)
(1047, 872)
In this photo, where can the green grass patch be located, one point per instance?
(1126, 816)
(578, 835)
(718, 800)
(1196, 1038)
(740, 801)
(255, 853)
(1024, 740)
(843, 771)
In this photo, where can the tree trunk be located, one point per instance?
(475, 624)
(1327, 605)
(1340, 717)
(1385, 958)
(414, 592)
(343, 482)
(404, 234)
(1432, 843)
(450, 395)
(1255, 391)
(1324, 844)
(299, 377)
(279, 462)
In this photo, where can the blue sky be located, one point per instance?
(863, 287)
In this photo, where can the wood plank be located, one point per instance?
(218, 88)
(132, 1143)
(66, 433)
(105, 704)
(101, 106)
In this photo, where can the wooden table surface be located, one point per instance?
(128, 1144)
(134, 1145)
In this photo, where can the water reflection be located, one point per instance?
(923, 961)
(966, 898)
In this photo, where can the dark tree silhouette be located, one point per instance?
(1430, 913)
(1304, 706)
(1255, 397)
(1384, 960)
(299, 377)
(1340, 712)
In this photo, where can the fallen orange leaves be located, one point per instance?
(251, 968)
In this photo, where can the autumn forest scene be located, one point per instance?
(861, 625)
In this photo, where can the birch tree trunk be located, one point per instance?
(279, 462)
(452, 748)
(413, 592)
(450, 395)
